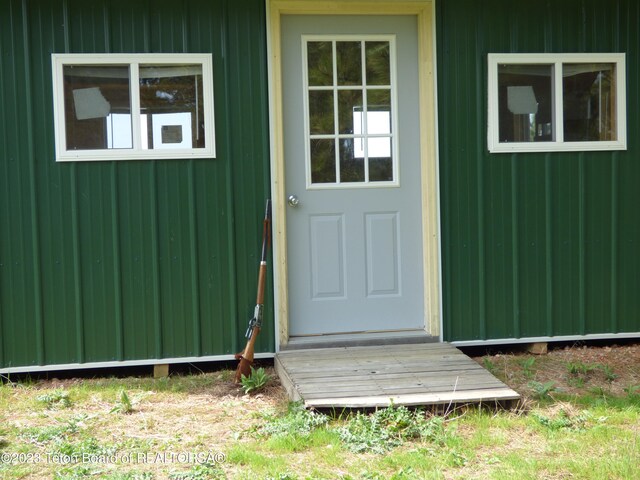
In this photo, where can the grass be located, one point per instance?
(137, 428)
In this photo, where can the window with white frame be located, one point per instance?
(556, 102)
(133, 106)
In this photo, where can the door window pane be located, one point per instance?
(525, 103)
(380, 167)
(323, 161)
(349, 102)
(351, 165)
(97, 106)
(320, 63)
(589, 93)
(378, 63)
(321, 114)
(349, 63)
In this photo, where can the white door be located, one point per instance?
(352, 162)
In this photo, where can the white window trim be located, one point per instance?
(394, 114)
(58, 61)
(556, 60)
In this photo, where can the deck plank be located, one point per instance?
(374, 376)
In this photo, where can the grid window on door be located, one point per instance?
(350, 111)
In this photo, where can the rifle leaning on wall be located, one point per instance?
(255, 324)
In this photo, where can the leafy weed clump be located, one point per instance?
(124, 404)
(55, 399)
(297, 422)
(256, 381)
(388, 428)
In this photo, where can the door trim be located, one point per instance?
(424, 12)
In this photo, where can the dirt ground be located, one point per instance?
(613, 369)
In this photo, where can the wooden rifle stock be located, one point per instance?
(255, 324)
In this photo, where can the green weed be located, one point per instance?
(488, 364)
(124, 404)
(563, 420)
(542, 391)
(297, 422)
(256, 381)
(388, 428)
(59, 432)
(527, 365)
(75, 472)
(56, 399)
(608, 372)
(130, 476)
(202, 471)
(580, 368)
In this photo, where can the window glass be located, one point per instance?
(350, 116)
(97, 107)
(588, 93)
(525, 103)
(320, 63)
(171, 99)
(378, 63)
(349, 63)
(545, 102)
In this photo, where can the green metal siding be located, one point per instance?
(534, 244)
(130, 260)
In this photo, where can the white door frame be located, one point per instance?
(424, 12)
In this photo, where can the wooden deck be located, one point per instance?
(375, 376)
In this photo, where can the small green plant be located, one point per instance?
(56, 399)
(580, 368)
(298, 421)
(256, 381)
(42, 435)
(542, 391)
(388, 428)
(130, 476)
(608, 372)
(204, 471)
(527, 365)
(124, 404)
(632, 391)
(563, 420)
(488, 364)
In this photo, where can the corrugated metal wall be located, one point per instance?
(535, 244)
(130, 260)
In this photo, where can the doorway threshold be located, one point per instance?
(359, 339)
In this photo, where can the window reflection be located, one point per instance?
(350, 127)
(589, 102)
(171, 98)
(97, 106)
(525, 103)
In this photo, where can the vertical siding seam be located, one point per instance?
(233, 261)
(193, 230)
(5, 176)
(75, 229)
(115, 222)
(33, 197)
(581, 245)
(106, 25)
(195, 295)
(482, 304)
(614, 243)
(117, 263)
(549, 247)
(155, 247)
(515, 255)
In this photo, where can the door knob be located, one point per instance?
(293, 200)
